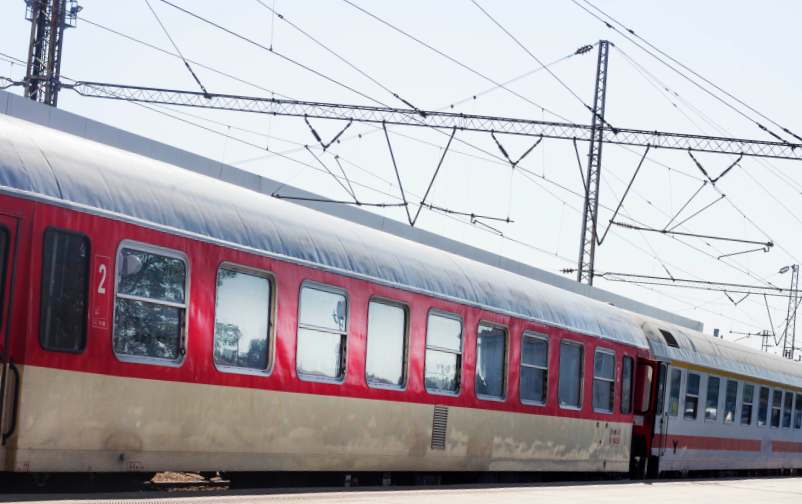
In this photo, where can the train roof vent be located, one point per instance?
(670, 341)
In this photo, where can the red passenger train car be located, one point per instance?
(154, 318)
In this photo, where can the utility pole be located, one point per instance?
(789, 333)
(764, 341)
(48, 18)
(590, 212)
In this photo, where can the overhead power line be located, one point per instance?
(626, 34)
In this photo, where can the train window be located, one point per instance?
(603, 380)
(730, 401)
(385, 364)
(661, 389)
(776, 407)
(570, 380)
(242, 318)
(534, 368)
(443, 353)
(798, 412)
(150, 304)
(673, 392)
(747, 402)
(711, 398)
(65, 283)
(691, 396)
(763, 407)
(627, 371)
(670, 340)
(788, 406)
(491, 357)
(322, 332)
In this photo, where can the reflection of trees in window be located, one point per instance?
(150, 305)
(242, 318)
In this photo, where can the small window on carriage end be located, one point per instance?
(150, 304)
(670, 340)
(242, 319)
(443, 365)
(65, 283)
(322, 333)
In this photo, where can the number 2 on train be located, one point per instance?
(100, 301)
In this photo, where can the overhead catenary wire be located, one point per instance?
(551, 72)
(177, 49)
(699, 76)
(717, 97)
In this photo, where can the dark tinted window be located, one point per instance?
(730, 399)
(491, 350)
(692, 396)
(776, 407)
(711, 402)
(627, 369)
(763, 407)
(534, 368)
(798, 412)
(788, 405)
(748, 398)
(65, 278)
(570, 381)
(670, 340)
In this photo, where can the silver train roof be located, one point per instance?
(41, 162)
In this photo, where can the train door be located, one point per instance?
(9, 374)
(647, 383)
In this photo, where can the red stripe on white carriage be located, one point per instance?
(708, 443)
(786, 447)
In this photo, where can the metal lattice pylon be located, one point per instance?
(590, 212)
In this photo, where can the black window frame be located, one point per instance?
(697, 396)
(730, 407)
(754, 397)
(88, 279)
(631, 378)
(710, 380)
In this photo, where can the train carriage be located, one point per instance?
(154, 318)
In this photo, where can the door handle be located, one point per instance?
(15, 406)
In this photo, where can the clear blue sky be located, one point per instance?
(746, 49)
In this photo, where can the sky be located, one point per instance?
(745, 50)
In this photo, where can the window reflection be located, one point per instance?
(150, 305)
(443, 353)
(322, 322)
(242, 317)
(386, 353)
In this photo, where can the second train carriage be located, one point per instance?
(157, 319)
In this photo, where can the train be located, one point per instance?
(158, 319)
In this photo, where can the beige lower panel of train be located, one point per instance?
(72, 421)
